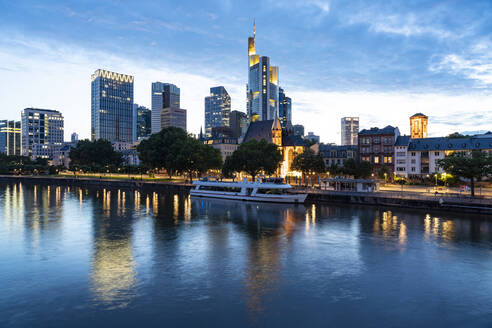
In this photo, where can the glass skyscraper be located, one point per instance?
(217, 109)
(164, 95)
(284, 109)
(142, 122)
(42, 132)
(262, 89)
(349, 130)
(10, 137)
(111, 106)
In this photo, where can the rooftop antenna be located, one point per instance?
(254, 27)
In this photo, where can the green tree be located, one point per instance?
(195, 157)
(472, 166)
(308, 163)
(357, 169)
(161, 149)
(254, 157)
(456, 135)
(95, 154)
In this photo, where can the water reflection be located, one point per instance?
(145, 248)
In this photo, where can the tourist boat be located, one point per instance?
(268, 190)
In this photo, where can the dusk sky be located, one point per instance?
(380, 60)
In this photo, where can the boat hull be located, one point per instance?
(290, 199)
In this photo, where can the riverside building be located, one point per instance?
(42, 132)
(111, 106)
(376, 146)
(10, 137)
(418, 126)
(164, 95)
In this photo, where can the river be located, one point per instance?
(75, 257)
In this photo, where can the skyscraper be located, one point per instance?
(142, 124)
(42, 132)
(164, 95)
(112, 106)
(298, 130)
(217, 109)
(262, 88)
(418, 126)
(239, 123)
(173, 116)
(349, 130)
(10, 137)
(284, 109)
(74, 137)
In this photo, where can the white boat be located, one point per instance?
(249, 191)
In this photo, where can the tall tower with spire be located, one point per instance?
(262, 89)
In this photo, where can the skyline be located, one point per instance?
(336, 59)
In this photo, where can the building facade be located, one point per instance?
(284, 109)
(418, 126)
(226, 146)
(164, 95)
(298, 130)
(376, 146)
(334, 155)
(10, 137)
(173, 116)
(42, 132)
(419, 157)
(111, 106)
(312, 137)
(262, 89)
(349, 130)
(239, 123)
(217, 109)
(142, 118)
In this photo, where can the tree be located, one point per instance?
(456, 135)
(357, 169)
(308, 162)
(473, 166)
(95, 154)
(195, 157)
(254, 157)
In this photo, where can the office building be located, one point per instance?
(10, 137)
(284, 109)
(42, 132)
(217, 109)
(349, 130)
(298, 130)
(225, 145)
(173, 116)
(74, 138)
(418, 126)
(142, 119)
(239, 123)
(112, 106)
(312, 137)
(164, 95)
(262, 88)
(376, 146)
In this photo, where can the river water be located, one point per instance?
(72, 257)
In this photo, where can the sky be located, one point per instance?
(382, 61)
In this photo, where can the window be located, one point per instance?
(413, 169)
(436, 153)
(400, 154)
(413, 161)
(376, 149)
(376, 159)
(414, 153)
(366, 158)
(388, 159)
(400, 169)
(400, 161)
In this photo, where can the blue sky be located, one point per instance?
(380, 60)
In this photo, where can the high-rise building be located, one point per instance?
(74, 138)
(418, 126)
(239, 123)
(217, 109)
(164, 95)
(298, 130)
(42, 132)
(349, 130)
(112, 106)
(284, 109)
(142, 122)
(172, 116)
(262, 88)
(10, 137)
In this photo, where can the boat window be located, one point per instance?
(270, 191)
(220, 188)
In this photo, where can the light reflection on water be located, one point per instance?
(96, 253)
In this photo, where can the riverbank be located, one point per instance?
(390, 199)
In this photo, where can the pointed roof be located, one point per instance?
(259, 130)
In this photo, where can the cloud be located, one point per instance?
(478, 69)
